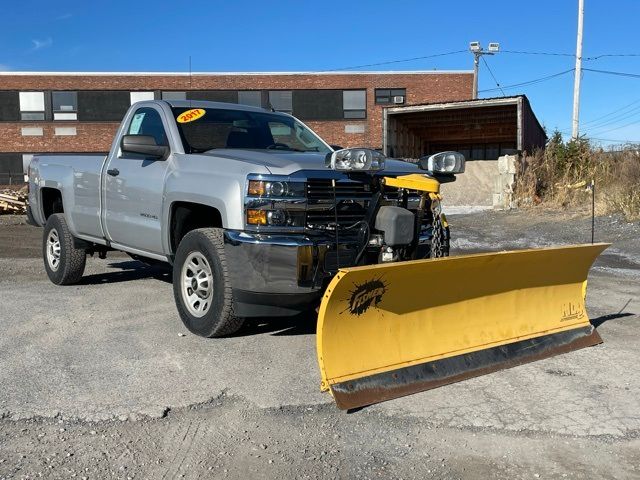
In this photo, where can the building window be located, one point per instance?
(355, 128)
(354, 103)
(250, 97)
(141, 96)
(9, 106)
(281, 100)
(391, 96)
(65, 105)
(174, 95)
(31, 131)
(11, 168)
(102, 106)
(32, 105)
(65, 131)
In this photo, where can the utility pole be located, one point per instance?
(478, 51)
(578, 74)
(476, 65)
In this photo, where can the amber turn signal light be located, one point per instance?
(256, 217)
(256, 187)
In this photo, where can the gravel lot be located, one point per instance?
(100, 380)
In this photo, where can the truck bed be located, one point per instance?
(82, 174)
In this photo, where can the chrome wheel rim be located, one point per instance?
(197, 284)
(53, 249)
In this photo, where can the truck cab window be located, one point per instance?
(147, 121)
(246, 129)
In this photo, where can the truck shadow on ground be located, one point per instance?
(127, 271)
(302, 324)
(131, 270)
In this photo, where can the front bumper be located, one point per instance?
(281, 275)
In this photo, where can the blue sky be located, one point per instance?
(147, 35)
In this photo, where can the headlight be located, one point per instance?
(355, 159)
(443, 162)
(274, 218)
(263, 188)
(273, 202)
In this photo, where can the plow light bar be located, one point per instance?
(443, 162)
(355, 159)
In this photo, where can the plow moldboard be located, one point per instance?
(386, 331)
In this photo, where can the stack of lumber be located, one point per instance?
(13, 201)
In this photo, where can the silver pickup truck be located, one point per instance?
(240, 200)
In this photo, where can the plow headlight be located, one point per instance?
(356, 159)
(443, 162)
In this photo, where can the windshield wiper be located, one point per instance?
(282, 146)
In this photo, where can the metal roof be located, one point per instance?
(477, 102)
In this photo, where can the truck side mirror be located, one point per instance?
(144, 145)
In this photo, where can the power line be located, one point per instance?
(635, 122)
(553, 54)
(600, 121)
(609, 72)
(520, 52)
(562, 54)
(530, 82)
(493, 76)
(613, 140)
(395, 61)
(612, 55)
(597, 119)
(616, 119)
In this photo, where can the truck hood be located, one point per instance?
(280, 162)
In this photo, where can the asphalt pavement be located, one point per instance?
(110, 356)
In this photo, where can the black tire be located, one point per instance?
(218, 320)
(69, 267)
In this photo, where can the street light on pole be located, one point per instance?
(478, 51)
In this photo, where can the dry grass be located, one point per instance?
(561, 176)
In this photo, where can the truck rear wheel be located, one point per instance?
(63, 262)
(201, 284)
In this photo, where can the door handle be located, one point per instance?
(114, 172)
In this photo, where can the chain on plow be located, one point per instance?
(438, 240)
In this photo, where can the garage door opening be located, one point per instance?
(484, 131)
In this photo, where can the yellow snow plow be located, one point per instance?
(404, 326)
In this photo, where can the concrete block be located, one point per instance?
(508, 182)
(507, 164)
(503, 165)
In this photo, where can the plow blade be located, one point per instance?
(390, 330)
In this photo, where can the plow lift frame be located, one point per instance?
(389, 330)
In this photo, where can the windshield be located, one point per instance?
(203, 129)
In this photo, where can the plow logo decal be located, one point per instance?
(365, 295)
(571, 312)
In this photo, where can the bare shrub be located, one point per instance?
(561, 174)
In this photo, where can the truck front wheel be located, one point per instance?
(63, 262)
(201, 284)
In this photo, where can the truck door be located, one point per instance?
(134, 186)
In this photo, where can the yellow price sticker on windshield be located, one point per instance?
(191, 115)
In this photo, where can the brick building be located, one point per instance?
(79, 112)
